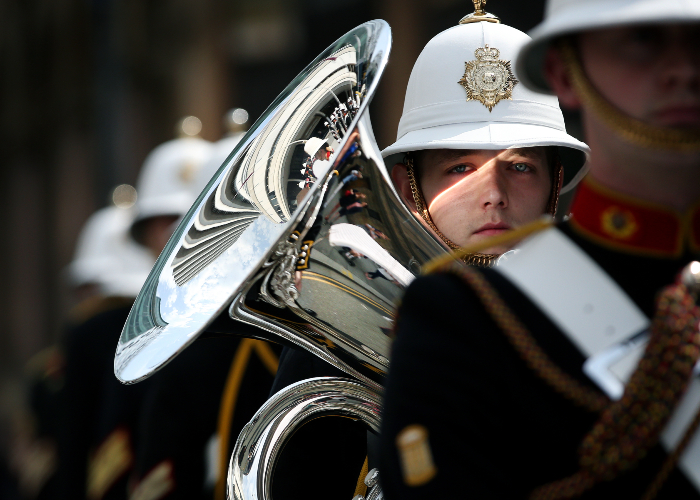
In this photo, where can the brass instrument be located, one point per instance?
(302, 234)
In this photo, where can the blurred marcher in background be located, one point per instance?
(34, 447)
(194, 408)
(106, 274)
(567, 372)
(99, 413)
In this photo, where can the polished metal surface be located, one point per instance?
(341, 306)
(300, 233)
(254, 457)
(690, 277)
(374, 488)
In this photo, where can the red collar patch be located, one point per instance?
(628, 224)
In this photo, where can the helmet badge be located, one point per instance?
(488, 79)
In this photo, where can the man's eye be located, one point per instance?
(459, 169)
(647, 36)
(522, 167)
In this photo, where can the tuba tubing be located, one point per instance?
(255, 454)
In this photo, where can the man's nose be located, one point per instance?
(492, 187)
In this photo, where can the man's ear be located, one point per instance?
(558, 79)
(399, 176)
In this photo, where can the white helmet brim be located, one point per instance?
(482, 135)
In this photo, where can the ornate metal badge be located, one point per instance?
(488, 79)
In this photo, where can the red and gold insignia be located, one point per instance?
(618, 223)
(628, 224)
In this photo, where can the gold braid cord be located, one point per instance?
(474, 259)
(524, 343)
(635, 131)
(626, 429)
(554, 195)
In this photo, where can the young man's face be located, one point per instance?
(651, 73)
(474, 194)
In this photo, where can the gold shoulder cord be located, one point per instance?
(635, 131)
(471, 259)
(628, 428)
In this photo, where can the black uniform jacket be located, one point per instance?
(495, 429)
(90, 388)
(157, 438)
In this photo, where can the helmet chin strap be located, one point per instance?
(635, 131)
(472, 259)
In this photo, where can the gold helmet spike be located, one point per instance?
(479, 14)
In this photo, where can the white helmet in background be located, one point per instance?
(165, 183)
(236, 123)
(567, 17)
(320, 164)
(107, 257)
(564, 18)
(462, 94)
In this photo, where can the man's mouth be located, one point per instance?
(679, 116)
(492, 229)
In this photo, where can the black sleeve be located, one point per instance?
(89, 351)
(435, 382)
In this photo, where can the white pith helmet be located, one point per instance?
(437, 114)
(313, 145)
(106, 256)
(165, 181)
(566, 17)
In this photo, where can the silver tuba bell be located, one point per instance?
(302, 234)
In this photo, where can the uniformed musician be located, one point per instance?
(477, 154)
(566, 371)
(106, 274)
(100, 413)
